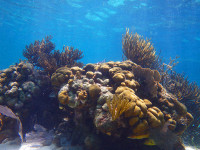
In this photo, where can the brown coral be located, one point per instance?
(40, 54)
(139, 50)
(150, 77)
(61, 76)
(130, 103)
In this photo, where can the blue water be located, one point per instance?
(96, 28)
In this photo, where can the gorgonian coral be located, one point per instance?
(43, 55)
(139, 50)
(117, 106)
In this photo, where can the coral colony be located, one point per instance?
(136, 103)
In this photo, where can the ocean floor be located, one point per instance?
(38, 139)
(36, 146)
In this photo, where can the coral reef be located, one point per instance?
(19, 85)
(43, 55)
(25, 91)
(142, 52)
(139, 50)
(121, 100)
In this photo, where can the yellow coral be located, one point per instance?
(82, 95)
(63, 97)
(117, 106)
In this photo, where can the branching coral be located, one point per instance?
(184, 90)
(139, 50)
(41, 55)
(35, 51)
(117, 106)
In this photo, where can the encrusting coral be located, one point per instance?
(43, 55)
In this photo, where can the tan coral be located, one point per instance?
(133, 121)
(142, 105)
(150, 77)
(155, 117)
(129, 75)
(114, 70)
(94, 91)
(121, 89)
(140, 131)
(125, 66)
(179, 107)
(190, 118)
(75, 69)
(130, 111)
(147, 102)
(118, 77)
(61, 76)
(131, 84)
(82, 95)
(142, 127)
(63, 97)
(89, 67)
(104, 68)
(89, 74)
(111, 63)
(172, 124)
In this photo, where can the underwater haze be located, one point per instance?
(96, 28)
(111, 102)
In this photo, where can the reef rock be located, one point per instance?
(120, 99)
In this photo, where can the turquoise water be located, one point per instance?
(96, 28)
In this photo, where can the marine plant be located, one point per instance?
(139, 50)
(42, 54)
(117, 106)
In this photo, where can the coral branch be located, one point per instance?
(139, 50)
(40, 54)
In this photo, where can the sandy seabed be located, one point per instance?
(36, 146)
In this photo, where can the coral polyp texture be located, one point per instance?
(120, 99)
